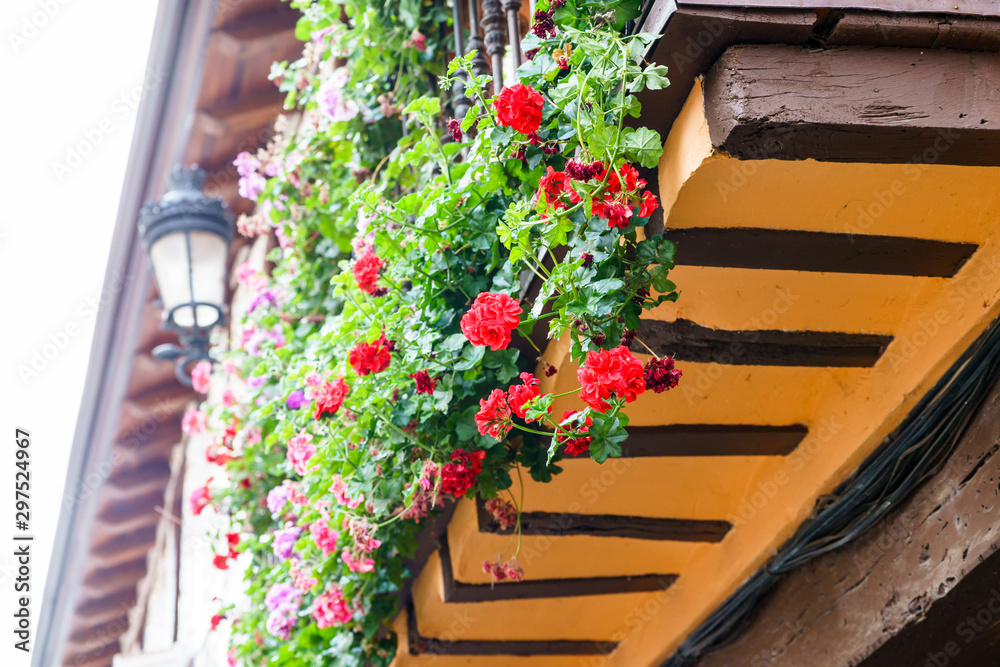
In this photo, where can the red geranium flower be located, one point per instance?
(610, 372)
(221, 561)
(493, 417)
(366, 270)
(369, 358)
(491, 319)
(329, 397)
(574, 446)
(216, 619)
(618, 215)
(520, 107)
(554, 185)
(649, 204)
(425, 383)
(520, 394)
(460, 475)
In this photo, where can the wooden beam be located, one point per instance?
(606, 525)
(694, 37)
(893, 581)
(251, 33)
(712, 440)
(916, 31)
(687, 341)
(856, 104)
(246, 114)
(696, 32)
(457, 591)
(794, 250)
(425, 645)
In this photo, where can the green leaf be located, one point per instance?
(644, 146)
(607, 434)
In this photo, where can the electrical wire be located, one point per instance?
(914, 452)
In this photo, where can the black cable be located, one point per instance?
(915, 451)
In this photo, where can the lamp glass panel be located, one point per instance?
(209, 258)
(190, 266)
(171, 263)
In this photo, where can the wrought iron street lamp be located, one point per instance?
(187, 236)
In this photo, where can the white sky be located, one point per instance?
(73, 73)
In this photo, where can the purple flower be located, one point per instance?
(295, 399)
(256, 381)
(331, 101)
(252, 185)
(283, 595)
(283, 601)
(246, 164)
(264, 296)
(280, 623)
(277, 498)
(284, 541)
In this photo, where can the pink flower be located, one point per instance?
(301, 575)
(332, 103)
(300, 450)
(503, 512)
(200, 499)
(331, 608)
(194, 422)
(339, 491)
(228, 398)
(361, 565)
(324, 536)
(245, 273)
(362, 531)
(200, 376)
(416, 41)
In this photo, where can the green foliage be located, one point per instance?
(450, 220)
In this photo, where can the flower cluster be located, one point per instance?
(460, 475)
(519, 107)
(610, 374)
(490, 320)
(329, 397)
(366, 358)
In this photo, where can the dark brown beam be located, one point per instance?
(988, 7)
(794, 250)
(712, 440)
(694, 38)
(457, 591)
(419, 645)
(609, 525)
(696, 32)
(917, 31)
(687, 341)
(855, 104)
